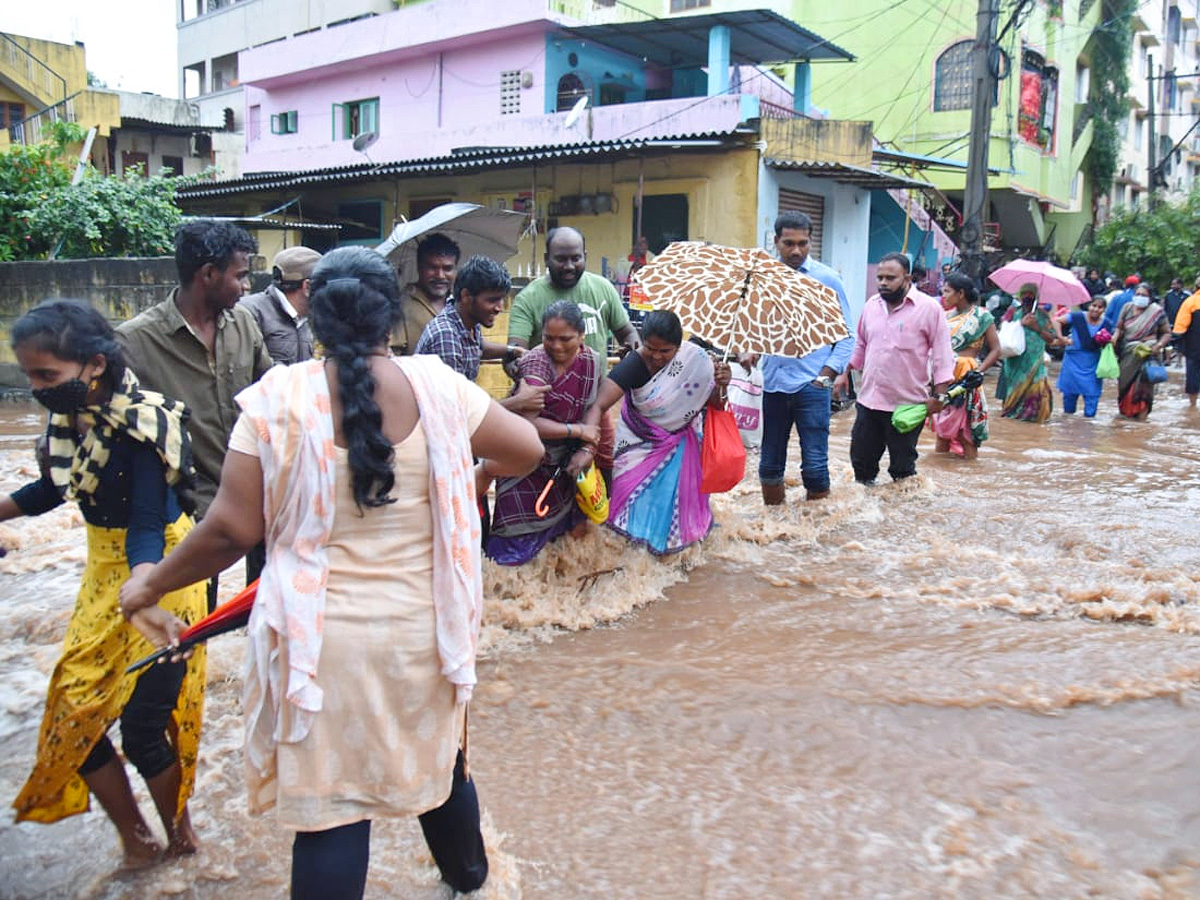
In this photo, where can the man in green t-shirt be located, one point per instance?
(567, 278)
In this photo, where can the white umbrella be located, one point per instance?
(478, 231)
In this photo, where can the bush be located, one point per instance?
(1161, 244)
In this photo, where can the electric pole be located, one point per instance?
(975, 194)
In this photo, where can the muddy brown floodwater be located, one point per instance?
(979, 684)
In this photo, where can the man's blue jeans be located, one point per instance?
(808, 409)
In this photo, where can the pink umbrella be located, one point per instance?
(1055, 284)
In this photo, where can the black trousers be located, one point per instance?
(872, 434)
(144, 723)
(332, 864)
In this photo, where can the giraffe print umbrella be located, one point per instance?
(742, 299)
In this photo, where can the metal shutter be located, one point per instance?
(811, 204)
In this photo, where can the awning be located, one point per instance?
(868, 179)
(756, 37)
(466, 160)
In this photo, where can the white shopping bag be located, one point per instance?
(745, 394)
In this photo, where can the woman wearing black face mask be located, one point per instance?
(124, 456)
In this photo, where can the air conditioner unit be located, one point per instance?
(202, 145)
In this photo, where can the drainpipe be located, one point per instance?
(439, 114)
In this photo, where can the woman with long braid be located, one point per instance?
(363, 634)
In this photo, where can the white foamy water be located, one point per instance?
(981, 683)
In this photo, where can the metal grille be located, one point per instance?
(953, 84)
(510, 93)
(813, 205)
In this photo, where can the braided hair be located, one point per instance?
(354, 302)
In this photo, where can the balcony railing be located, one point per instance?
(768, 110)
(31, 130)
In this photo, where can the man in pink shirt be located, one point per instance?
(902, 343)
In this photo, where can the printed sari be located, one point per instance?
(968, 421)
(1024, 386)
(518, 533)
(656, 499)
(1140, 329)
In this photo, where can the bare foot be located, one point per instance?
(184, 842)
(141, 852)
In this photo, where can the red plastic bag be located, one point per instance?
(722, 456)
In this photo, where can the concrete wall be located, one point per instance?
(119, 288)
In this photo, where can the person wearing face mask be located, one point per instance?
(901, 338)
(1141, 333)
(123, 454)
(1024, 385)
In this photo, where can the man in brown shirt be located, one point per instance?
(198, 346)
(437, 265)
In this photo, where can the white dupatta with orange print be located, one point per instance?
(290, 409)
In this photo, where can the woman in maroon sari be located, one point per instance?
(572, 371)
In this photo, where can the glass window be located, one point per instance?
(682, 5)
(355, 118)
(953, 84)
(1038, 107)
(284, 123)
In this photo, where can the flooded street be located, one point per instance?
(982, 683)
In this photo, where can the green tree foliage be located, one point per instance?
(29, 175)
(122, 215)
(40, 210)
(1160, 244)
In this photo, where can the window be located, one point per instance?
(953, 81)
(510, 92)
(361, 221)
(173, 165)
(664, 219)
(1083, 77)
(254, 125)
(133, 162)
(355, 118)
(570, 89)
(681, 5)
(1039, 101)
(284, 123)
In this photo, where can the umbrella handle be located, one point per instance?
(184, 647)
(541, 507)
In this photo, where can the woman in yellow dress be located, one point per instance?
(122, 453)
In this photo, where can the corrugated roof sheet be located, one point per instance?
(756, 36)
(844, 174)
(465, 160)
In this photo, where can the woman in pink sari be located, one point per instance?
(667, 384)
(962, 427)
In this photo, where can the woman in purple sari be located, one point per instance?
(667, 384)
(562, 361)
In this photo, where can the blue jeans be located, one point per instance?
(808, 410)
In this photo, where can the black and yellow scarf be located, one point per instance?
(75, 464)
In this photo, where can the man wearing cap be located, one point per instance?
(282, 309)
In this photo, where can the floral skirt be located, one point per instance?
(89, 687)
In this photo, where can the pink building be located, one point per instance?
(439, 76)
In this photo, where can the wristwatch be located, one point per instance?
(942, 398)
(823, 381)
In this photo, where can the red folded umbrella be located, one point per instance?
(225, 617)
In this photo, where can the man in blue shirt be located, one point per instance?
(799, 391)
(1117, 303)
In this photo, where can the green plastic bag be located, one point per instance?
(909, 416)
(1108, 367)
